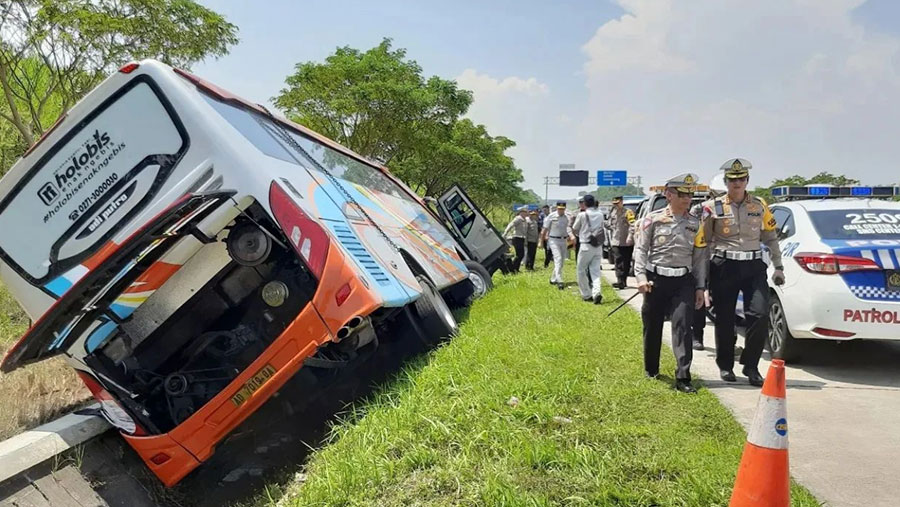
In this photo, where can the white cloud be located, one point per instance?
(483, 84)
(794, 86)
(523, 110)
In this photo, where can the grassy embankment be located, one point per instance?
(39, 392)
(588, 428)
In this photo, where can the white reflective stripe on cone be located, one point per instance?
(769, 427)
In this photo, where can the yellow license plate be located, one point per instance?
(253, 385)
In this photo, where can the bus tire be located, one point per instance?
(432, 314)
(480, 278)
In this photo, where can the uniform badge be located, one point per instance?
(660, 240)
(689, 179)
(737, 166)
(726, 230)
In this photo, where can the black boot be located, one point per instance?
(684, 386)
(753, 376)
(727, 375)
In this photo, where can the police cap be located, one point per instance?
(686, 182)
(736, 168)
(560, 204)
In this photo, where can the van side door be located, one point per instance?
(475, 231)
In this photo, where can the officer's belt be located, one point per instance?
(558, 237)
(668, 272)
(737, 255)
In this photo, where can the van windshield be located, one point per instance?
(99, 175)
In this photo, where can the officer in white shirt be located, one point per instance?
(556, 231)
(589, 228)
(518, 229)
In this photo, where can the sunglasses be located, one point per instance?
(738, 180)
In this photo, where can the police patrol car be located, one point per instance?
(841, 250)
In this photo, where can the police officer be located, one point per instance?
(556, 231)
(734, 226)
(618, 224)
(548, 256)
(663, 265)
(698, 320)
(581, 208)
(519, 229)
(532, 235)
(588, 225)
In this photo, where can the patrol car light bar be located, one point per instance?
(818, 192)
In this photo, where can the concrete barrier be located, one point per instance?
(32, 447)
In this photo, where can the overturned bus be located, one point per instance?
(188, 252)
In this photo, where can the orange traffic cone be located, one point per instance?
(763, 478)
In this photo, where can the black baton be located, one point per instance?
(625, 302)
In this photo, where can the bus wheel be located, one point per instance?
(480, 278)
(433, 316)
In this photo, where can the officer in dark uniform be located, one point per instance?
(735, 226)
(665, 257)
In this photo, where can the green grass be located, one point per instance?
(39, 392)
(442, 433)
(13, 321)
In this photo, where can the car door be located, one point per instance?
(474, 230)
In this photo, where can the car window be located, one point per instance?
(659, 204)
(784, 216)
(857, 223)
(463, 216)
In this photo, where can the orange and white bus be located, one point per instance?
(187, 252)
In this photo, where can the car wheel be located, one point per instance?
(781, 344)
(480, 279)
(432, 314)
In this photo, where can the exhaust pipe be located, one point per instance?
(348, 328)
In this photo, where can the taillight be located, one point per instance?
(342, 294)
(128, 68)
(306, 235)
(830, 264)
(832, 332)
(160, 458)
(116, 414)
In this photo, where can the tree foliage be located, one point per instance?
(606, 194)
(379, 104)
(52, 52)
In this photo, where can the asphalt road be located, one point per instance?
(843, 413)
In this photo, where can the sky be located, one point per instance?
(652, 87)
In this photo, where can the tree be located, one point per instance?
(52, 52)
(376, 103)
(468, 156)
(379, 104)
(605, 194)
